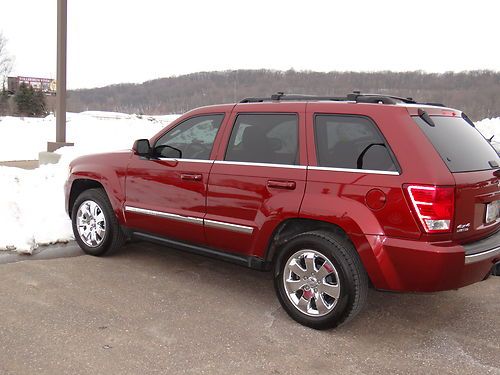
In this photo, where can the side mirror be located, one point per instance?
(141, 147)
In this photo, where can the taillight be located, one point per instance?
(434, 206)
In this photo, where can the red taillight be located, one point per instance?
(433, 205)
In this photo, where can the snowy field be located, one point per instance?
(32, 202)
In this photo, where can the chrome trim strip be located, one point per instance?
(166, 215)
(228, 226)
(482, 256)
(193, 220)
(366, 171)
(188, 160)
(260, 164)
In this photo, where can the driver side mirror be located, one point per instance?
(142, 147)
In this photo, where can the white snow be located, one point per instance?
(490, 127)
(32, 202)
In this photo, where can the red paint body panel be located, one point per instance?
(158, 185)
(417, 266)
(239, 194)
(238, 206)
(109, 169)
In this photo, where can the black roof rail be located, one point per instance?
(355, 96)
(280, 96)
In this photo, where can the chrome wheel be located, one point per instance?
(91, 223)
(311, 282)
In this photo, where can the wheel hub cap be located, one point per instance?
(311, 282)
(91, 223)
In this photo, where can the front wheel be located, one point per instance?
(319, 279)
(95, 226)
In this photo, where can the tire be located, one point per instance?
(99, 231)
(337, 290)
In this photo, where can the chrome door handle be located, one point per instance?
(290, 185)
(191, 177)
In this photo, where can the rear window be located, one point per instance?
(461, 146)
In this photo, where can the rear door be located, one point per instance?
(475, 166)
(258, 179)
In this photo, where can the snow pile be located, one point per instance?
(33, 211)
(32, 202)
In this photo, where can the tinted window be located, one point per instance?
(351, 142)
(264, 138)
(459, 144)
(194, 137)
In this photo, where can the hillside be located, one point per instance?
(475, 92)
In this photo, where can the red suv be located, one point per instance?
(331, 194)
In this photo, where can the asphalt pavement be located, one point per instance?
(152, 310)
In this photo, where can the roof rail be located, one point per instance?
(355, 96)
(280, 96)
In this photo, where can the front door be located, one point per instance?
(165, 195)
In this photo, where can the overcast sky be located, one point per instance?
(115, 41)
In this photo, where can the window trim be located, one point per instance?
(398, 170)
(168, 130)
(236, 115)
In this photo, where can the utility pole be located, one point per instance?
(62, 28)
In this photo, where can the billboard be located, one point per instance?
(46, 85)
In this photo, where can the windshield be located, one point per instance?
(461, 146)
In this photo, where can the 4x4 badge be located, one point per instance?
(463, 227)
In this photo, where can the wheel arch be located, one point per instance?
(291, 227)
(80, 185)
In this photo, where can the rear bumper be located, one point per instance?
(483, 249)
(413, 266)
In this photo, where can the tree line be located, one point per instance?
(475, 92)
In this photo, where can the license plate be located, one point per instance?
(492, 212)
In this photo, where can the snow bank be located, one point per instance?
(32, 202)
(32, 208)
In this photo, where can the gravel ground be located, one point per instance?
(151, 310)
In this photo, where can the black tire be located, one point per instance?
(352, 278)
(113, 237)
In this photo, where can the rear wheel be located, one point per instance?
(319, 279)
(95, 226)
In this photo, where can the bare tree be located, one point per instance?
(5, 61)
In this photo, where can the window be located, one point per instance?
(460, 145)
(194, 138)
(351, 142)
(264, 138)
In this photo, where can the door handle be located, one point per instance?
(290, 185)
(191, 177)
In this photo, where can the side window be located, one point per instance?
(351, 142)
(264, 138)
(194, 138)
